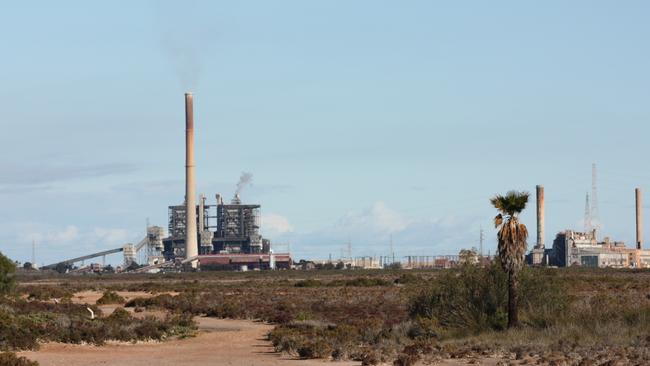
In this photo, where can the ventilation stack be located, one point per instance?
(538, 250)
(540, 217)
(639, 218)
(191, 245)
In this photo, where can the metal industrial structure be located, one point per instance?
(147, 251)
(72, 261)
(231, 228)
(573, 248)
(214, 234)
(222, 235)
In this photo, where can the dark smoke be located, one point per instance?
(184, 57)
(187, 35)
(244, 181)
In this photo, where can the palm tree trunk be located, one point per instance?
(513, 299)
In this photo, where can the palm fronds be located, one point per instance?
(512, 203)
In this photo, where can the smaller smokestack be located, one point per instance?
(201, 213)
(540, 217)
(639, 218)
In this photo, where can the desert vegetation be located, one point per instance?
(26, 323)
(32, 314)
(10, 359)
(110, 297)
(566, 316)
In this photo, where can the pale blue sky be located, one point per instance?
(358, 119)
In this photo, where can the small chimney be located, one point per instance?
(540, 217)
(639, 218)
(191, 244)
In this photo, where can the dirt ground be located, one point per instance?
(219, 342)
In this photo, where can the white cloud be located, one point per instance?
(276, 224)
(28, 231)
(55, 243)
(69, 233)
(379, 218)
(370, 230)
(21, 175)
(116, 237)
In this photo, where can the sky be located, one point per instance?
(360, 121)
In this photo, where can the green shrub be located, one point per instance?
(407, 278)
(308, 283)
(7, 269)
(315, 348)
(23, 324)
(366, 282)
(10, 359)
(47, 293)
(159, 301)
(119, 315)
(474, 299)
(110, 297)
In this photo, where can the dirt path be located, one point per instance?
(220, 342)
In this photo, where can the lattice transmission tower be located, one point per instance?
(595, 215)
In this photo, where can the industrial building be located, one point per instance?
(223, 235)
(220, 235)
(573, 248)
(231, 228)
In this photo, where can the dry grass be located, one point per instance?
(368, 315)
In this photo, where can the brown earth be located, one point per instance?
(219, 342)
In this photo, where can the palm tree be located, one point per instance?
(512, 237)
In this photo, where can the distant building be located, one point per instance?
(245, 261)
(224, 228)
(572, 248)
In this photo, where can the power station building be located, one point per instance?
(231, 228)
(572, 248)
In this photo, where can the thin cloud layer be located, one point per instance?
(370, 231)
(14, 175)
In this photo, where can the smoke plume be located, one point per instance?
(244, 181)
(184, 58)
(187, 38)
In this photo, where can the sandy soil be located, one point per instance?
(220, 342)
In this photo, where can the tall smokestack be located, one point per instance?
(191, 245)
(540, 217)
(639, 218)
